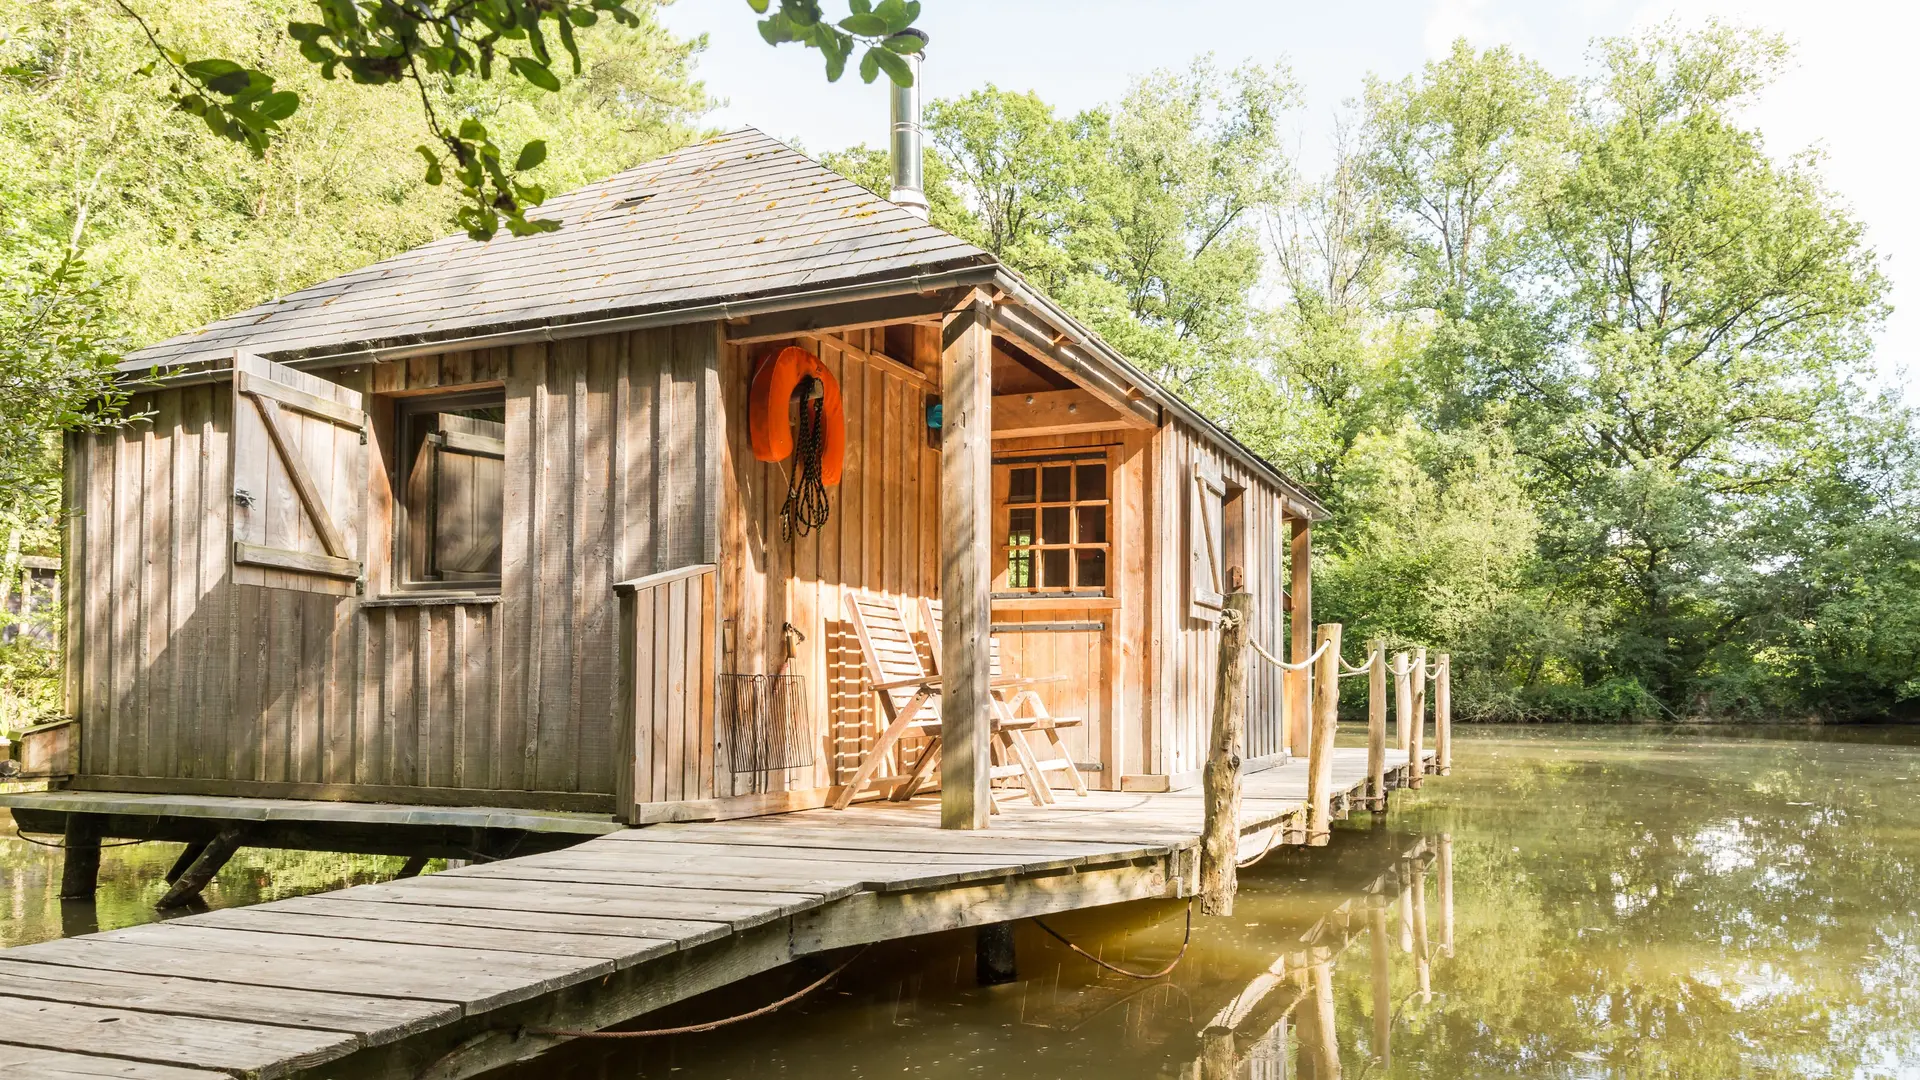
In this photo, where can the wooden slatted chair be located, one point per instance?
(910, 701)
(1036, 719)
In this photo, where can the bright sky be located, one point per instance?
(1851, 92)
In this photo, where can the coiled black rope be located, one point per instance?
(806, 507)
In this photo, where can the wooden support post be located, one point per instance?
(1296, 683)
(80, 867)
(994, 962)
(1326, 717)
(1443, 714)
(1377, 725)
(1402, 701)
(1220, 779)
(1445, 874)
(1218, 1056)
(187, 857)
(1418, 768)
(198, 876)
(414, 865)
(1422, 962)
(966, 525)
(1382, 952)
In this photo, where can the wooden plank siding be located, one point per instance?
(882, 536)
(1186, 650)
(186, 681)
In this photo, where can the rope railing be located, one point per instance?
(1310, 700)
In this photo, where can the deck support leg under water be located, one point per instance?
(80, 869)
(994, 960)
(195, 878)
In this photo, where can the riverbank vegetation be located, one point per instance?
(1581, 363)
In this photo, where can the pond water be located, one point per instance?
(1624, 904)
(1571, 903)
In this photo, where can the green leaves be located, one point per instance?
(535, 72)
(531, 155)
(878, 27)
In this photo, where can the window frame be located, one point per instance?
(1073, 458)
(409, 411)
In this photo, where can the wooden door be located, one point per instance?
(299, 480)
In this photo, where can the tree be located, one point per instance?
(441, 46)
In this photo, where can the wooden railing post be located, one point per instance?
(1416, 767)
(1377, 725)
(1443, 714)
(1220, 780)
(1402, 701)
(1422, 962)
(1445, 874)
(1326, 716)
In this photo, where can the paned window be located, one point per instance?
(1054, 515)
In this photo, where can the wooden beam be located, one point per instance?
(966, 576)
(1050, 349)
(877, 359)
(1301, 590)
(1056, 412)
(855, 315)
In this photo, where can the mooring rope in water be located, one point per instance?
(1273, 841)
(1162, 973)
(695, 1029)
(62, 844)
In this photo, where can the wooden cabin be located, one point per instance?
(373, 541)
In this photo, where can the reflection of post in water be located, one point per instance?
(1406, 915)
(1445, 872)
(1319, 1046)
(1382, 984)
(1422, 965)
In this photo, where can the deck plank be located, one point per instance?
(375, 1020)
(188, 1041)
(622, 951)
(28, 1061)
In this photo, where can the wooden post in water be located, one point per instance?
(1418, 676)
(1377, 725)
(1326, 718)
(966, 526)
(1220, 780)
(1319, 1043)
(1382, 951)
(1443, 714)
(1445, 873)
(1405, 912)
(80, 862)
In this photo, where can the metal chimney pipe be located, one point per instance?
(906, 144)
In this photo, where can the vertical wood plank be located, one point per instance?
(966, 517)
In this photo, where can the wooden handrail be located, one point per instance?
(663, 577)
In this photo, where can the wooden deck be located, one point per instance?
(439, 976)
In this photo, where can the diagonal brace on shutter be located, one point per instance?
(330, 537)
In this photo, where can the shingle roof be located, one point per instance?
(737, 216)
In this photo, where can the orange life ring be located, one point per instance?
(767, 422)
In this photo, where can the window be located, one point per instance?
(1053, 512)
(452, 469)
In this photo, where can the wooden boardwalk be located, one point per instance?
(440, 976)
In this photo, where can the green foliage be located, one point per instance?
(183, 230)
(883, 28)
(1577, 363)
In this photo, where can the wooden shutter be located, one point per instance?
(1206, 493)
(469, 474)
(299, 478)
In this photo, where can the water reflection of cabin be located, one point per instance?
(367, 547)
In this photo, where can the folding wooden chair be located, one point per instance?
(910, 700)
(1008, 709)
